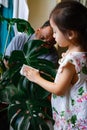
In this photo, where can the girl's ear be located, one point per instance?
(71, 35)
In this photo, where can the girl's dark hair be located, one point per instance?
(71, 15)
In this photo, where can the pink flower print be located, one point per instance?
(79, 100)
(81, 124)
(57, 123)
(54, 115)
(78, 61)
(70, 126)
(60, 122)
(83, 128)
(78, 64)
(83, 56)
(68, 111)
(63, 120)
(84, 97)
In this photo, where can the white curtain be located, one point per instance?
(4, 3)
(20, 10)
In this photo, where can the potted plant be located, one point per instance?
(28, 104)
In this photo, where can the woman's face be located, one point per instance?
(58, 35)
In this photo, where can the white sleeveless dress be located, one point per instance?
(70, 110)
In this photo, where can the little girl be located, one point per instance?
(69, 90)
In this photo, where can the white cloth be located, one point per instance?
(4, 3)
(20, 10)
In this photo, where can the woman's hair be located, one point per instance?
(46, 24)
(71, 15)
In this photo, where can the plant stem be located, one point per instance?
(9, 29)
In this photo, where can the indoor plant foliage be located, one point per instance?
(28, 104)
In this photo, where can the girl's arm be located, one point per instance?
(58, 88)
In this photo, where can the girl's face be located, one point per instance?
(58, 35)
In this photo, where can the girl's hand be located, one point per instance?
(30, 73)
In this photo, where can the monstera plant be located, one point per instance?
(28, 104)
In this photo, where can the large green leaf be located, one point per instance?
(7, 93)
(28, 102)
(30, 113)
(34, 48)
(22, 25)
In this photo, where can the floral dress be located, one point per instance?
(70, 110)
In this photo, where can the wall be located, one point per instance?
(39, 11)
